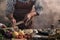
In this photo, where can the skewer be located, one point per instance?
(20, 22)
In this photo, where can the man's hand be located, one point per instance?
(13, 22)
(31, 15)
(12, 19)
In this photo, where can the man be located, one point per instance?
(18, 9)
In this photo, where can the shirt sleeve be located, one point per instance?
(38, 6)
(10, 6)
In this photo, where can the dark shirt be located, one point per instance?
(10, 5)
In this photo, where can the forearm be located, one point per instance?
(33, 12)
(10, 9)
(11, 18)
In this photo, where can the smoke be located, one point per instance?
(49, 14)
